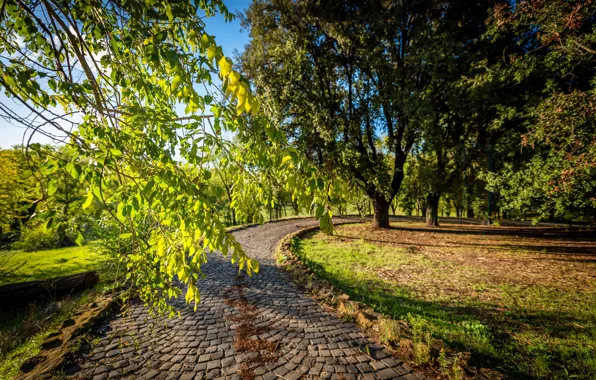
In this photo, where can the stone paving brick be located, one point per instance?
(312, 341)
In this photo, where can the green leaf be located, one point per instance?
(319, 211)
(126, 235)
(169, 12)
(116, 152)
(52, 84)
(325, 224)
(211, 51)
(205, 41)
(52, 187)
(255, 265)
(88, 200)
(171, 56)
(48, 224)
(120, 210)
(80, 239)
(176, 82)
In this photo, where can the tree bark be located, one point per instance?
(432, 209)
(381, 215)
(26, 292)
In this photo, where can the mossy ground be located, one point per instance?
(19, 266)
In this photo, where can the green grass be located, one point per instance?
(18, 266)
(528, 330)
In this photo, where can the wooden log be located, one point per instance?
(27, 292)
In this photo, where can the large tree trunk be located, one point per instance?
(432, 209)
(381, 216)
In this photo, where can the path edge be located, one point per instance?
(328, 296)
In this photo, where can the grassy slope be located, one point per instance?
(29, 266)
(473, 301)
(21, 332)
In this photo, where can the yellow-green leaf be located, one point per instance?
(176, 82)
(88, 200)
(211, 50)
(52, 187)
(80, 239)
(225, 66)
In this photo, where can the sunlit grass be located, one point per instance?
(18, 266)
(524, 328)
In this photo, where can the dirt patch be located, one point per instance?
(59, 349)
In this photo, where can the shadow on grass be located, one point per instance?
(549, 233)
(537, 249)
(555, 236)
(490, 333)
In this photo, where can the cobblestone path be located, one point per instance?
(300, 338)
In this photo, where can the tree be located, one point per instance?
(331, 70)
(346, 75)
(15, 193)
(556, 170)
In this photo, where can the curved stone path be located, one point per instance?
(306, 339)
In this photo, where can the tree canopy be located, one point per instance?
(460, 87)
(355, 85)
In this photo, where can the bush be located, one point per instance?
(36, 238)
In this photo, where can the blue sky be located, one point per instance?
(227, 34)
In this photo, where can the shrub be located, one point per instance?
(389, 330)
(36, 238)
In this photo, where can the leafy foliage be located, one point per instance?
(355, 85)
(119, 74)
(557, 174)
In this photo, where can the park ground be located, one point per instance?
(521, 300)
(23, 329)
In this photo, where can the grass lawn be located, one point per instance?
(521, 300)
(23, 329)
(18, 266)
